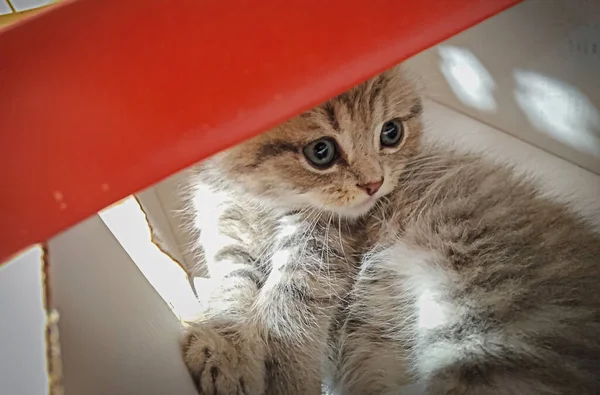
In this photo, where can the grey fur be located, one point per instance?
(460, 279)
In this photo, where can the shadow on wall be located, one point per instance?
(532, 71)
(553, 107)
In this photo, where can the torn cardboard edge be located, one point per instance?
(162, 245)
(53, 358)
(52, 343)
(155, 237)
(134, 230)
(18, 16)
(54, 370)
(54, 366)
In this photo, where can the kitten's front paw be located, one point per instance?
(223, 360)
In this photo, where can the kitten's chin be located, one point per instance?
(301, 202)
(356, 210)
(363, 208)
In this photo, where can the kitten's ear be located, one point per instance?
(396, 71)
(403, 79)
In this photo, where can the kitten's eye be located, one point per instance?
(391, 133)
(321, 153)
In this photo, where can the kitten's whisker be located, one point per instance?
(341, 239)
(326, 252)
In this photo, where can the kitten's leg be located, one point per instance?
(369, 364)
(368, 360)
(224, 358)
(295, 307)
(490, 379)
(500, 364)
(278, 333)
(223, 354)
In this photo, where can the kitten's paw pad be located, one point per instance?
(223, 362)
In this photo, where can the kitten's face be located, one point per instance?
(340, 157)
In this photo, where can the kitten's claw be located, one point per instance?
(224, 361)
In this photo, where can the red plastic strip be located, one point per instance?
(101, 98)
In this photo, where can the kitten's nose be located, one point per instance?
(371, 187)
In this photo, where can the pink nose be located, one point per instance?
(371, 187)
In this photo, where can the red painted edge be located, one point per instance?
(101, 98)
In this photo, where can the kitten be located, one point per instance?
(349, 252)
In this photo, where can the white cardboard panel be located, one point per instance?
(22, 326)
(23, 5)
(4, 8)
(129, 225)
(117, 335)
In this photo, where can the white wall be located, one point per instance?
(532, 71)
(118, 336)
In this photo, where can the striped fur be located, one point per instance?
(459, 277)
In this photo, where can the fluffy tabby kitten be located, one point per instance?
(348, 253)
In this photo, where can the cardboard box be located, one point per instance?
(98, 310)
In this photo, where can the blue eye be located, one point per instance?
(391, 133)
(321, 153)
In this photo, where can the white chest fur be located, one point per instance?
(423, 286)
(420, 278)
